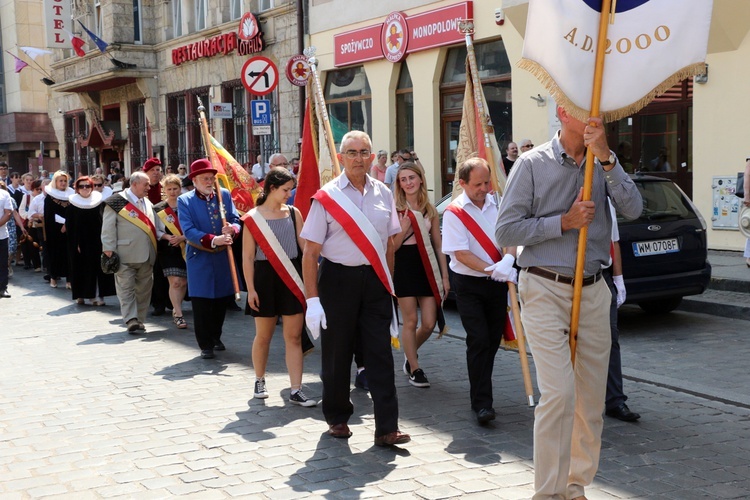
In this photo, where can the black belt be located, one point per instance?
(561, 278)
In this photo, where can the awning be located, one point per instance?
(99, 139)
(730, 22)
(103, 80)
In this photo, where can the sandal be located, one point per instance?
(180, 322)
(53, 283)
(80, 302)
(67, 285)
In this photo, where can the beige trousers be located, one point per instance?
(568, 420)
(133, 284)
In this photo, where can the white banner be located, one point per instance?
(652, 45)
(56, 21)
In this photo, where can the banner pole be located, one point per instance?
(320, 105)
(588, 182)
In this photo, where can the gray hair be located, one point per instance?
(355, 134)
(275, 156)
(524, 142)
(139, 176)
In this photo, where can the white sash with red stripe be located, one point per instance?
(427, 253)
(277, 257)
(361, 231)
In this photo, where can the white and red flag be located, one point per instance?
(77, 42)
(651, 46)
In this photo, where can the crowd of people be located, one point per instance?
(371, 241)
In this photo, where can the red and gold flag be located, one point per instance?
(243, 188)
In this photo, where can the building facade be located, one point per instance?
(27, 139)
(414, 99)
(139, 97)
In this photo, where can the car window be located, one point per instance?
(661, 200)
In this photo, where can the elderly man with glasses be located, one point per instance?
(525, 145)
(351, 224)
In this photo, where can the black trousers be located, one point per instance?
(160, 289)
(4, 266)
(208, 318)
(31, 257)
(615, 395)
(356, 306)
(482, 305)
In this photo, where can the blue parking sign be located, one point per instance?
(260, 112)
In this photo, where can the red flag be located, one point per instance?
(308, 179)
(77, 43)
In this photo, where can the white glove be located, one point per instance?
(620, 286)
(315, 317)
(503, 270)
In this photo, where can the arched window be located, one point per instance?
(404, 110)
(494, 71)
(349, 99)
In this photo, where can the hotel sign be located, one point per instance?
(422, 31)
(56, 14)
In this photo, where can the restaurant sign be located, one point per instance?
(248, 39)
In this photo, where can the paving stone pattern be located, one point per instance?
(88, 411)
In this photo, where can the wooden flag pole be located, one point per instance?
(588, 182)
(320, 105)
(521, 338)
(466, 27)
(211, 154)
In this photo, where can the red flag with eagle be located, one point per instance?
(651, 46)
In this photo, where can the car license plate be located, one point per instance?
(656, 247)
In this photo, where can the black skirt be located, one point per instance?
(409, 277)
(274, 296)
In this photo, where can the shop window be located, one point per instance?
(494, 71)
(137, 134)
(76, 157)
(237, 139)
(405, 110)
(349, 99)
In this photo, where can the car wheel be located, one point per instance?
(661, 306)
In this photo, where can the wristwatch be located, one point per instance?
(608, 161)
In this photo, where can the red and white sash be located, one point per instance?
(474, 227)
(427, 253)
(359, 228)
(133, 214)
(489, 246)
(364, 235)
(277, 257)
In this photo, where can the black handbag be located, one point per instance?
(740, 190)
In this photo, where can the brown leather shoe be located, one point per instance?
(395, 437)
(340, 431)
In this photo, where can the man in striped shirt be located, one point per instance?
(542, 210)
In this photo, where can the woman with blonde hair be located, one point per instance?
(420, 276)
(171, 248)
(56, 240)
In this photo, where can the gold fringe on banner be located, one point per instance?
(612, 115)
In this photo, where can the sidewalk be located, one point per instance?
(88, 411)
(729, 292)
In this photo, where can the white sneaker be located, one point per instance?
(260, 389)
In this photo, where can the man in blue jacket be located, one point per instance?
(209, 276)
